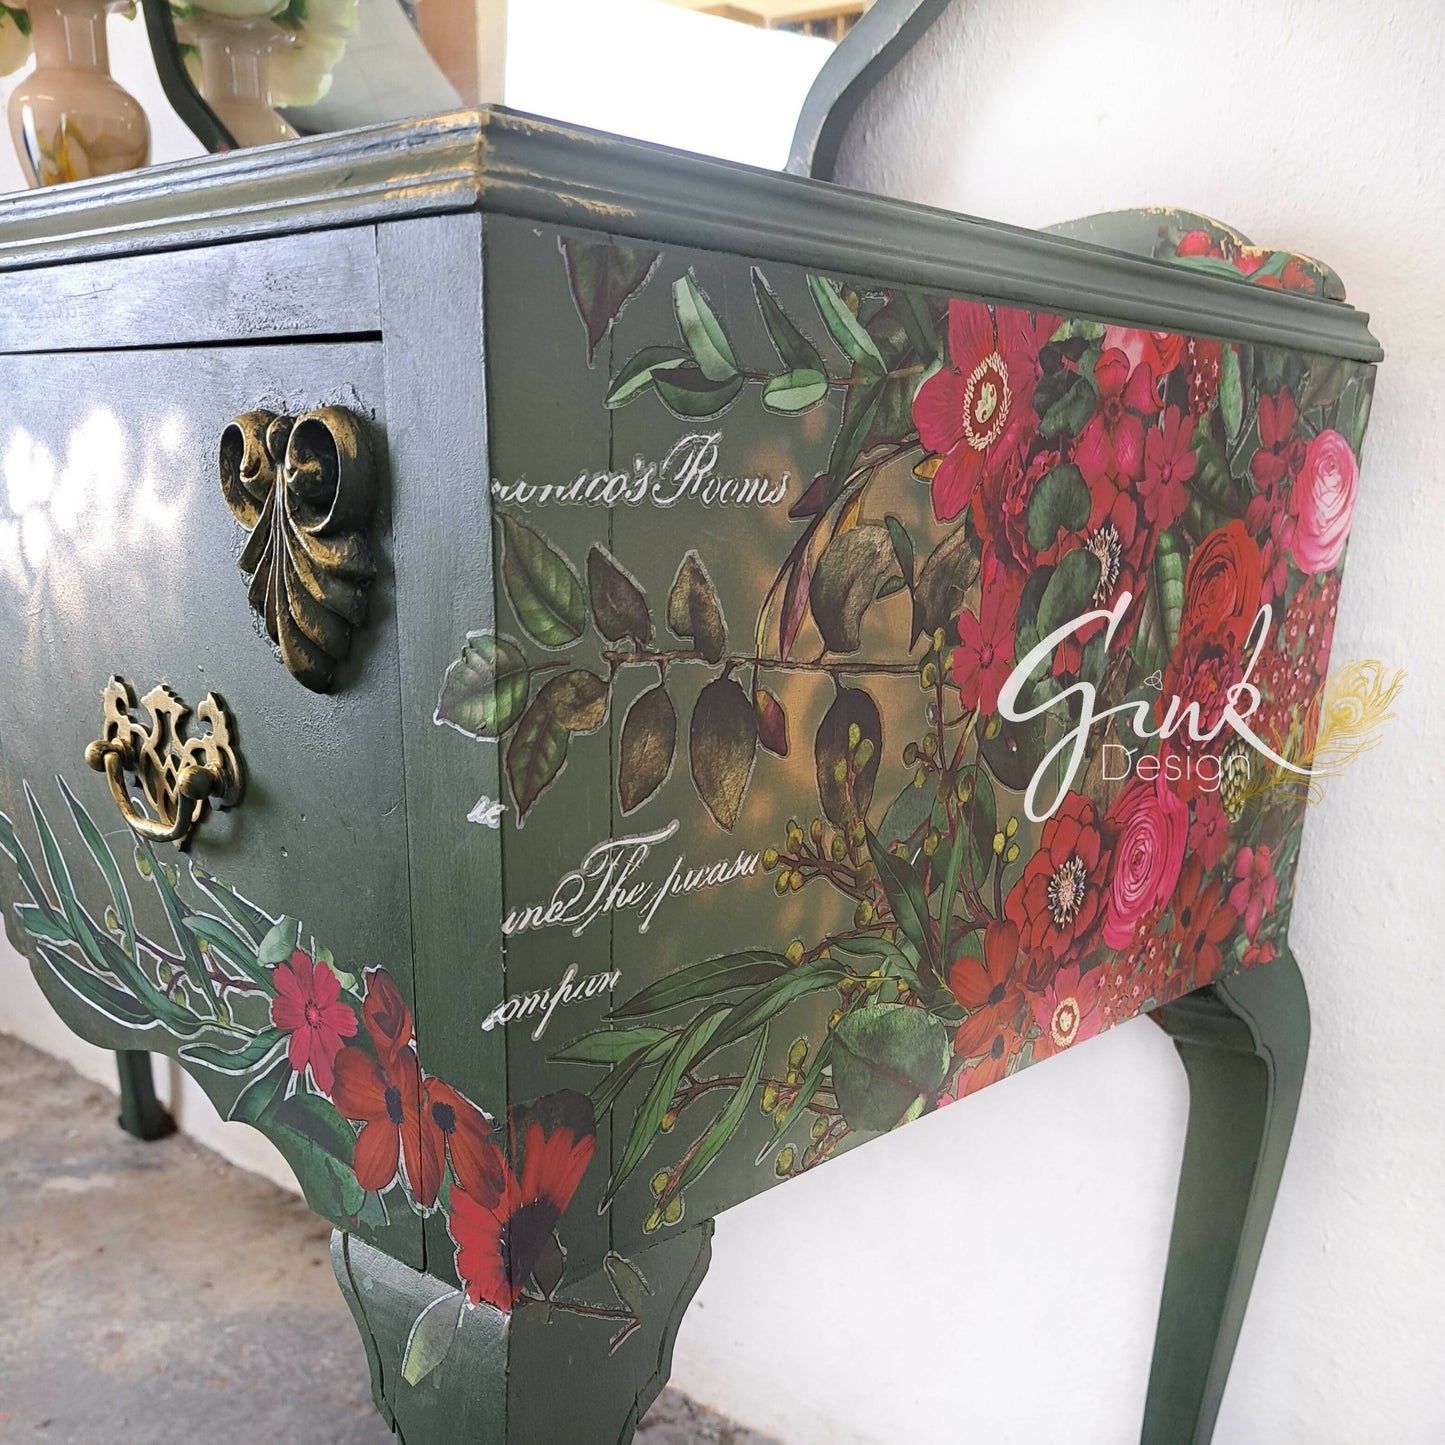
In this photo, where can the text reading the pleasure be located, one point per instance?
(606, 881)
(689, 472)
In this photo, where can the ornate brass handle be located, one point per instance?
(180, 776)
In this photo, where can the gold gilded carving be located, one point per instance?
(305, 488)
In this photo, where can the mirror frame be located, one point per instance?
(871, 49)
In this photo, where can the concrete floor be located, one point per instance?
(154, 1293)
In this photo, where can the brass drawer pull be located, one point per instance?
(179, 775)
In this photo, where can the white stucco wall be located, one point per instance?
(991, 1275)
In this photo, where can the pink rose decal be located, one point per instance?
(1151, 827)
(1324, 503)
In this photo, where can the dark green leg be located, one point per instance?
(580, 1370)
(1244, 1043)
(141, 1113)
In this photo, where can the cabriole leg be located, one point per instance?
(578, 1370)
(1244, 1042)
(141, 1112)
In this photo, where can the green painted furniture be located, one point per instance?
(603, 773)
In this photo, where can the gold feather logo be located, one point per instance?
(1345, 722)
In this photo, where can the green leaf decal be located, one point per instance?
(726, 1124)
(687, 392)
(1231, 393)
(702, 333)
(887, 1061)
(618, 605)
(641, 372)
(1169, 563)
(604, 277)
(794, 350)
(795, 391)
(854, 565)
(254, 1053)
(722, 746)
(848, 445)
(649, 743)
(574, 702)
(1067, 416)
(693, 610)
(904, 891)
(898, 534)
(711, 978)
(431, 1337)
(486, 688)
(280, 942)
(541, 586)
(845, 328)
(1070, 591)
(1060, 502)
(659, 1097)
(609, 1046)
(225, 941)
(951, 569)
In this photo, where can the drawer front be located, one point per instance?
(118, 557)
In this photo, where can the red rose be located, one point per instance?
(1056, 904)
(1222, 586)
(1151, 827)
(1324, 502)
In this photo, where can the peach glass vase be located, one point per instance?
(68, 118)
(235, 72)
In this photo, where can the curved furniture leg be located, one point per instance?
(141, 1113)
(1244, 1043)
(581, 1369)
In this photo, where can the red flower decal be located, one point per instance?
(984, 656)
(1057, 903)
(991, 989)
(308, 1006)
(386, 1099)
(973, 413)
(1067, 1011)
(466, 1136)
(1150, 827)
(498, 1245)
(1168, 465)
(388, 1020)
(1112, 441)
(1202, 921)
(1254, 895)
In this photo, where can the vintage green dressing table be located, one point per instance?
(512, 677)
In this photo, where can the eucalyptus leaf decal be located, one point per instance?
(722, 746)
(618, 605)
(688, 391)
(943, 580)
(604, 277)
(486, 688)
(541, 586)
(887, 1061)
(431, 1337)
(847, 751)
(795, 391)
(640, 373)
(794, 349)
(854, 565)
(649, 741)
(1070, 591)
(693, 610)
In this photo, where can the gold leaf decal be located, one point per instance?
(722, 745)
(305, 488)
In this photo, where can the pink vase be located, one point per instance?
(235, 68)
(68, 118)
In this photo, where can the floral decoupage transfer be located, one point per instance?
(952, 671)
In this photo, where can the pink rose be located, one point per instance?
(1324, 502)
(1151, 827)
